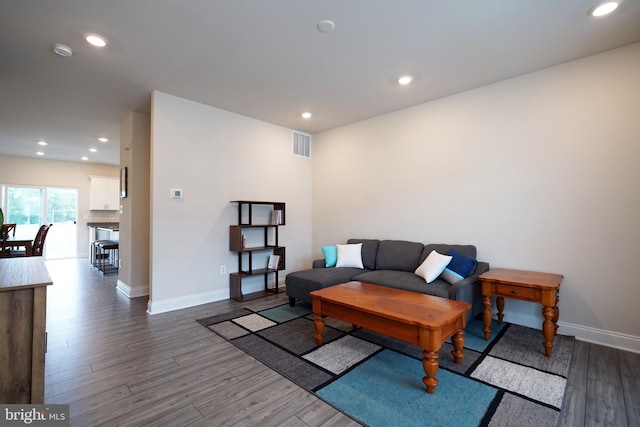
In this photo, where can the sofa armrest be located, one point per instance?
(319, 263)
(481, 267)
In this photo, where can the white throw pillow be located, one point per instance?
(433, 266)
(350, 255)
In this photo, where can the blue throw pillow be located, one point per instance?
(330, 255)
(461, 264)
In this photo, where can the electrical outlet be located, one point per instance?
(223, 269)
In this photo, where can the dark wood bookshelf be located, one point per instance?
(245, 254)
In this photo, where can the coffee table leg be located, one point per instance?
(319, 324)
(430, 365)
(458, 343)
(486, 317)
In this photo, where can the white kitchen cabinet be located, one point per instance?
(104, 194)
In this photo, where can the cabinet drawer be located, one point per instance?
(515, 292)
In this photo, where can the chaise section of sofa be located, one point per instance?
(300, 283)
(392, 263)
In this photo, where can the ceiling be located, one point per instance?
(267, 59)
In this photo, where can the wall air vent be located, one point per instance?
(301, 145)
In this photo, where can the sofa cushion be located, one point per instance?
(406, 281)
(369, 251)
(318, 278)
(330, 255)
(398, 255)
(350, 255)
(466, 250)
(433, 266)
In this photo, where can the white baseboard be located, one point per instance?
(582, 333)
(156, 307)
(600, 336)
(132, 292)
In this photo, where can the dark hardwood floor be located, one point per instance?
(115, 365)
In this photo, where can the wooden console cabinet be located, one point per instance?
(23, 301)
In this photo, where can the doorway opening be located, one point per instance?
(29, 207)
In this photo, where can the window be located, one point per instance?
(30, 207)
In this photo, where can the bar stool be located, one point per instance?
(107, 256)
(95, 248)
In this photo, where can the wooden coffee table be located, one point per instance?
(542, 288)
(420, 319)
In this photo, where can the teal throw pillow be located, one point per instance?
(330, 255)
(450, 276)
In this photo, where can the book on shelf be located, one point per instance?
(276, 217)
(274, 262)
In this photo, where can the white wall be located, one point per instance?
(15, 170)
(216, 156)
(133, 274)
(540, 172)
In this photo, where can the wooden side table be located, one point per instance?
(542, 288)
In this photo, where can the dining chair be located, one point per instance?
(7, 230)
(38, 243)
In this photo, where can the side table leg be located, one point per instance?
(486, 317)
(548, 329)
(319, 324)
(458, 343)
(556, 314)
(430, 365)
(500, 305)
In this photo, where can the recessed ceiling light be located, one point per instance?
(62, 50)
(326, 26)
(306, 115)
(604, 8)
(85, 158)
(40, 153)
(93, 150)
(103, 139)
(405, 80)
(43, 143)
(96, 40)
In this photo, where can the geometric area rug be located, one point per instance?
(377, 380)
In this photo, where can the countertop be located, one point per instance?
(23, 273)
(109, 225)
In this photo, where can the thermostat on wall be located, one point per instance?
(176, 193)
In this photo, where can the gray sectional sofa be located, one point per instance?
(392, 263)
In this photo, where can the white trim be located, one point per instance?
(138, 291)
(582, 333)
(600, 336)
(156, 307)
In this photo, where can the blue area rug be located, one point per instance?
(377, 380)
